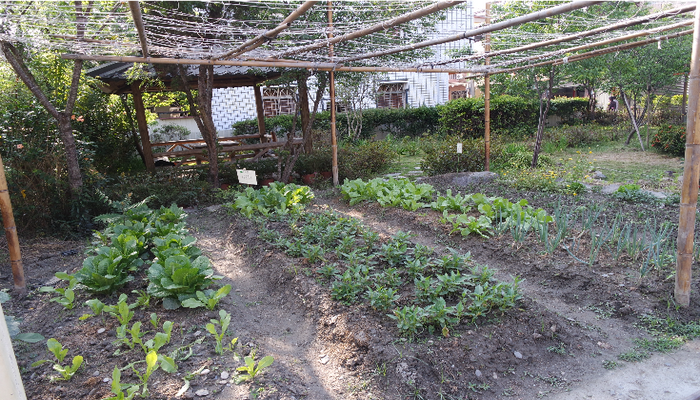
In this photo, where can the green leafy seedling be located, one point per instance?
(160, 339)
(66, 296)
(96, 306)
(207, 298)
(154, 320)
(224, 321)
(250, 369)
(118, 388)
(67, 372)
(153, 362)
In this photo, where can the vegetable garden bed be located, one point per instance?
(420, 293)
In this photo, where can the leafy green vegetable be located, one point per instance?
(108, 270)
(65, 296)
(179, 278)
(208, 298)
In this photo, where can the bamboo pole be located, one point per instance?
(590, 54)
(269, 35)
(260, 110)
(433, 8)
(575, 36)
(487, 95)
(138, 21)
(8, 220)
(269, 64)
(483, 30)
(143, 127)
(691, 175)
(597, 44)
(331, 84)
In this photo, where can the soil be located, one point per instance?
(573, 320)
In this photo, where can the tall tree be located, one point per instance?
(638, 74)
(16, 58)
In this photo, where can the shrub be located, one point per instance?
(365, 159)
(465, 117)
(518, 156)
(441, 155)
(569, 109)
(670, 139)
(184, 187)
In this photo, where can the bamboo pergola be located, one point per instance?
(360, 37)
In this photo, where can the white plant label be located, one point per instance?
(247, 176)
(459, 148)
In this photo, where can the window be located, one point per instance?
(391, 95)
(278, 101)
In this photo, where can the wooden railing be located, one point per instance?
(230, 147)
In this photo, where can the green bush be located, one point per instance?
(465, 117)
(518, 156)
(561, 137)
(184, 187)
(441, 155)
(670, 139)
(569, 109)
(365, 159)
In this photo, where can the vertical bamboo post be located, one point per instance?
(487, 95)
(8, 220)
(260, 110)
(331, 84)
(143, 127)
(691, 174)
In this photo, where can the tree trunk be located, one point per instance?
(543, 120)
(634, 121)
(591, 102)
(134, 136)
(75, 179)
(205, 85)
(201, 111)
(634, 124)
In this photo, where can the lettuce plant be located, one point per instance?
(178, 278)
(174, 244)
(108, 270)
(277, 198)
(207, 298)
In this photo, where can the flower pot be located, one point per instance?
(308, 178)
(326, 174)
(225, 186)
(266, 182)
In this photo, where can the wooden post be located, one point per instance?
(487, 96)
(691, 174)
(331, 84)
(8, 220)
(143, 127)
(260, 110)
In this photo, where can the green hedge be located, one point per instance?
(569, 109)
(400, 122)
(463, 117)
